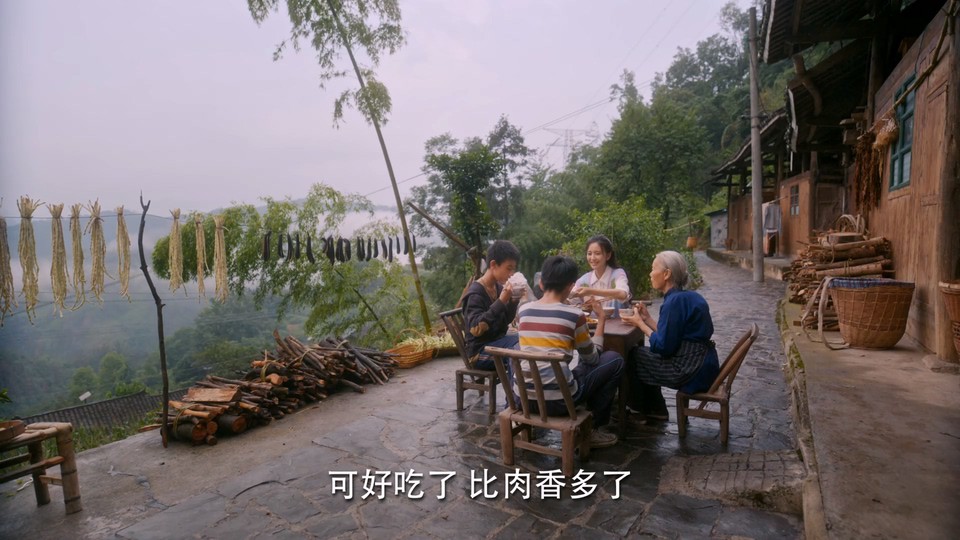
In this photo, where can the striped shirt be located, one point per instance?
(556, 328)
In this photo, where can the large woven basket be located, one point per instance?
(407, 356)
(950, 292)
(956, 335)
(872, 312)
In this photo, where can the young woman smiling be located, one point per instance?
(605, 281)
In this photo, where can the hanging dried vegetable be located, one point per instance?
(201, 255)
(58, 266)
(98, 252)
(8, 297)
(123, 254)
(220, 260)
(76, 244)
(175, 253)
(28, 255)
(266, 246)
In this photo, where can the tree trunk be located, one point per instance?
(386, 159)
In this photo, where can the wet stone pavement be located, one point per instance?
(410, 465)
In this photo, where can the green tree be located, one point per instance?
(113, 371)
(636, 232)
(371, 299)
(336, 25)
(84, 380)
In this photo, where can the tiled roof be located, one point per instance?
(107, 413)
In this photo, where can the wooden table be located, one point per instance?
(33, 438)
(621, 337)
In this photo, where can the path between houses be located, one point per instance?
(276, 481)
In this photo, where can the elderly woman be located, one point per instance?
(681, 354)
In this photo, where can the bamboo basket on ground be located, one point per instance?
(872, 312)
(950, 292)
(412, 352)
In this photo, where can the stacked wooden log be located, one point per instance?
(864, 258)
(294, 376)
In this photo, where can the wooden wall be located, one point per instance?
(740, 219)
(912, 216)
(795, 228)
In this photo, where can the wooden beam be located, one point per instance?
(826, 148)
(853, 30)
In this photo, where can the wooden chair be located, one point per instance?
(481, 380)
(517, 419)
(719, 391)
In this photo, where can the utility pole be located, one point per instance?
(756, 161)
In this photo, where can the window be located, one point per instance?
(795, 200)
(902, 150)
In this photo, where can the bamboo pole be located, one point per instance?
(386, 158)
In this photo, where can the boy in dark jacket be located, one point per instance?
(489, 305)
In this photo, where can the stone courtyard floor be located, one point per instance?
(416, 466)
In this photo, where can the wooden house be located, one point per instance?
(892, 61)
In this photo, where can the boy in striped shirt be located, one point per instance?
(551, 325)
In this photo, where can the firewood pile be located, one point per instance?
(864, 258)
(293, 377)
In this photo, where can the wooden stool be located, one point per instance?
(33, 438)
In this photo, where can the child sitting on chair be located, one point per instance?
(489, 305)
(551, 325)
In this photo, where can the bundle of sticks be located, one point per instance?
(865, 258)
(278, 384)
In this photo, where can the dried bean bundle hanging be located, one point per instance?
(28, 255)
(98, 252)
(175, 253)
(76, 244)
(201, 255)
(123, 254)
(219, 260)
(8, 298)
(58, 266)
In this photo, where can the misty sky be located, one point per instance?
(100, 99)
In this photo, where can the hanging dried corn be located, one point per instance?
(220, 260)
(58, 267)
(175, 253)
(76, 244)
(8, 298)
(98, 252)
(28, 255)
(201, 255)
(123, 254)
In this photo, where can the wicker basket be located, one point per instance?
(872, 312)
(407, 356)
(956, 335)
(950, 292)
